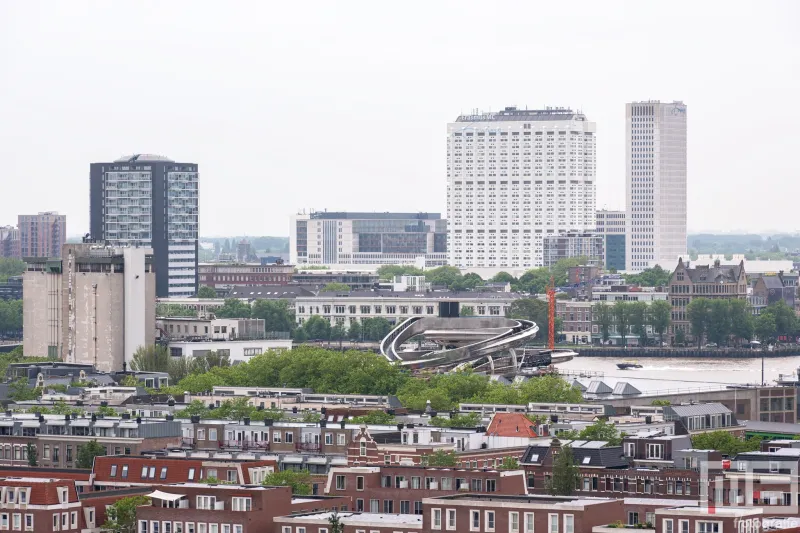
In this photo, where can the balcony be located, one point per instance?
(314, 447)
(245, 444)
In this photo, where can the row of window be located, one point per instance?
(18, 521)
(489, 521)
(154, 526)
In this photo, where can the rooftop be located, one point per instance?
(349, 518)
(138, 158)
(511, 425)
(531, 115)
(548, 502)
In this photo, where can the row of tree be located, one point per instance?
(723, 321)
(10, 267)
(632, 318)
(317, 328)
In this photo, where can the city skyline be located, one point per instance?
(250, 126)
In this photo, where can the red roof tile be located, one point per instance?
(43, 490)
(511, 425)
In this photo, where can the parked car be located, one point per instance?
(711, 345)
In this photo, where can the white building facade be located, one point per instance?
(514, 177)
(655, 169)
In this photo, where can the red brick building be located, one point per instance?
(352, 522)
(127, 470)
(227, 275)
(202, 508)
(39, 505)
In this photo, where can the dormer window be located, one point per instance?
(63, 496)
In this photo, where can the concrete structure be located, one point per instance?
(94, 306)
(611, 225)
(238, 351)
(571, 244)
(687, 283)
(150, 201)
(356, 280)
(225, 276)
(42, 235)
(655, 185)
(338, 238)
(217, 329)
(513, 177)
(9, 242)
(398, 306)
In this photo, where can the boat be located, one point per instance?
(627, 365)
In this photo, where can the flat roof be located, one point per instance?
(348, 518)
(546, 501)
(710, 511)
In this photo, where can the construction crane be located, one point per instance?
(551, 314)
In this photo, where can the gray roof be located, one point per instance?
(697, 410)
(142, 157)
(599, 387)
(578, 385)
(623, 388)
(527, 115)
(712, 273)
(271, 292)
(772, 282)
(773, 427)
(591, 453)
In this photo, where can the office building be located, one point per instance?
(96, 305)
(566, 245)
(42, 235)
(655, 170)
(514, 177)
(9, 242)
(327, 238)
(611, 225)
(151, 201)
(225, 276)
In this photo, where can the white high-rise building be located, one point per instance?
(655, 169)
(513, 177)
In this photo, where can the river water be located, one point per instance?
(662, 374)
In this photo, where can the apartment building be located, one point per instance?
(355, 238)
(703, 281)
(572, 244)
(225, 276)
(345, 308)
(611, 226)
(9, 242)
(514, 177)
(40, 505)
(95, 305)
(42, 235)
(150, 201)
(655, 170)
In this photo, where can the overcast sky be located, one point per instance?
(344, 105)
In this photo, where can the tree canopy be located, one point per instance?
(10, 316)
(11, 267)
(206, 292)
(121, 515)
(566, 473)
(298, 480)
(650, 277)
(87, 453)
(724, 442)
(336, 287)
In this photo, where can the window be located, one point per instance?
(73, 518)
(163, 472)
(28, 522)
(340, 482)
(362, 448)
(125, 471)
(552, 523)
(202, 527)
(436, 518)
(212, 434)
(190, 527)
(289, 437)
(706, 527)
(513, 522)
(388, 506)
(16, 521)
(418, 507)
(374, 506)
(684, 526)
(667, 526)
(201, 434)
(55, 522)
(341, 439)
(655, 451)
(633, 518)
(475, 521)
(206, 502)
(241, 504)
(191, 474)
(113, 470)
(476, 485)
(528, 522)
(329, 439)
(226, 528)
(451, 519)
(569, 523)
(405, 507)
(276, 436)
(489, 517)
(491, 485)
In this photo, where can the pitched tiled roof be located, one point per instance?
(511, 425)
(713, 273)
(44, 491)
(585, 453)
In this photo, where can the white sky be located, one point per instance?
(344, 105)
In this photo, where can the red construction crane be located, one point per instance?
(551, 314)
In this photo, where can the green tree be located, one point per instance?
(206, 292)
(11, 267)
(121, 515)
(317, 328)
(87, 453)
(153, 358)
(535, 310)
(298, 480)
(10, 316)
(471, 280)
(650, 277)
(334, 523)
(680, 337)
(742, 322)
(566, 473)
(725, 443)
(180, 367)
(336, 287)
(300, 335)
(129, 381)
(175, 310)
(719, 321)
(312, 417)
(660, 313)
(375, 329)
(105, 410)
(765, 327)
(785, 318)
(276, 314)
(443, 275)
(466, 310)
(354, 333)
(601, 430)
(510, 463)
(503, 277)
(440, 458)
(622, 319)
(603, 316)
(549, 388)
(376, 417)
(470, 420)
(338, 333)
(661, 402)
(639, 318)
(388, 272)
(697, 313)
(32, 454)
(233, 308)
(20, 391)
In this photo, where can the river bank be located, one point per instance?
(687, 353)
